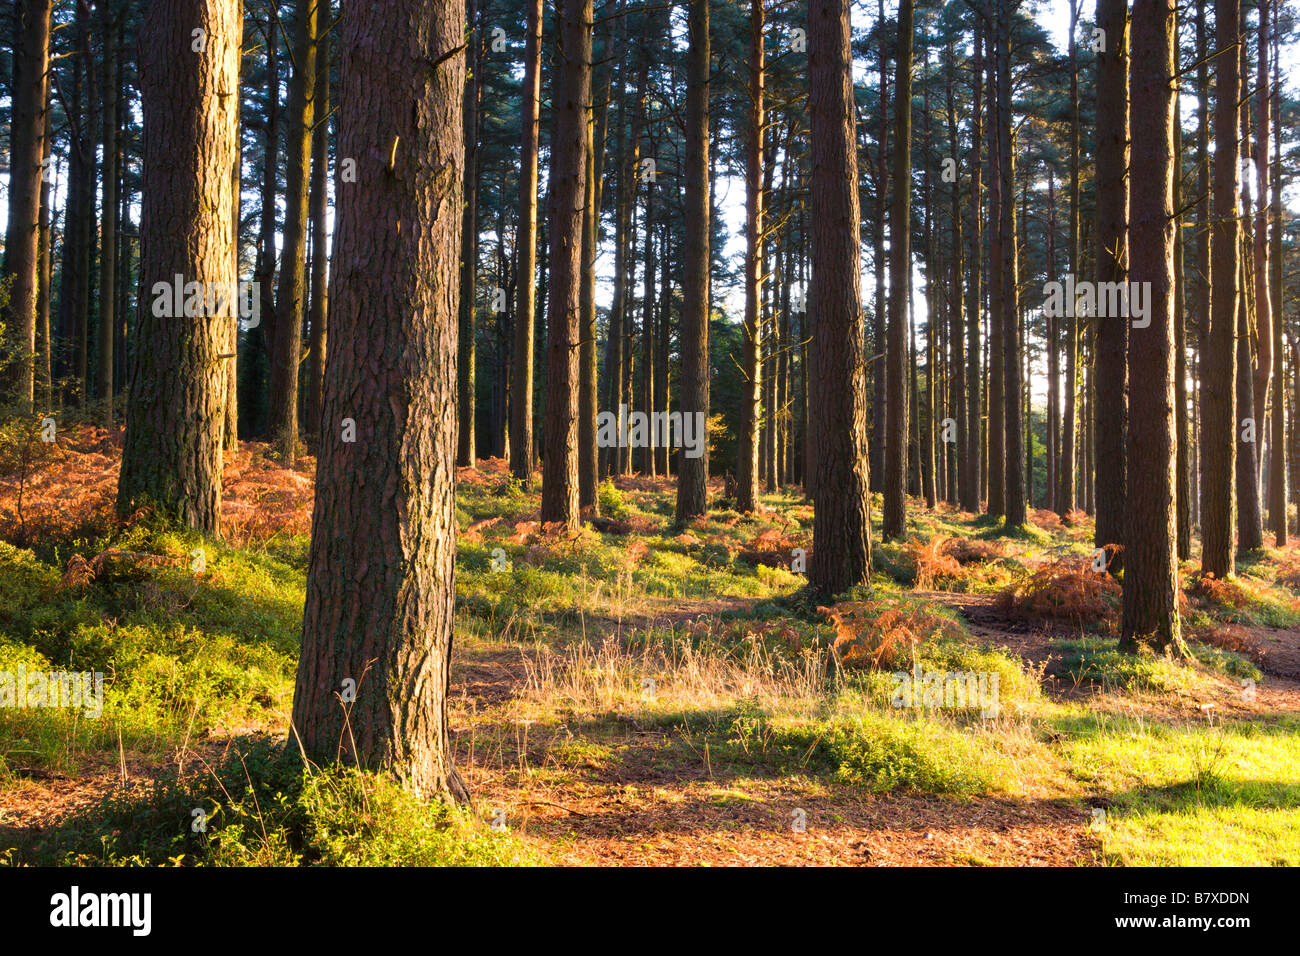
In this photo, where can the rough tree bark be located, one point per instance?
(522, 460)
(1150, 615)
(1219, 357)
(27, 138)
(287, 330)
(841, 555)
(568, 190)
(692, 473)
(377, 631)
(1111, 408)
(751, 329)
(900, 261)
(176, 396)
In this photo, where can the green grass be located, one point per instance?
(261, 807)
(187, 656)
(1192, 794)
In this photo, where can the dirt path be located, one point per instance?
(641, 801)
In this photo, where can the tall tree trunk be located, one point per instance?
(466, 362)
(319, 315)
(27, 139)
(996, 441)
(1263, 304)
(662, 452)
(230, 358)
(841, 555)
(1182, 473)
(588, 461)
(972, 435)
(1111, 407)
(1250, 524)
(287, 336)
(880, 308)
(381, 577)
(1150, 614)
(752, 367)
(900, 258)
(960, 388)
(175, 401)
(1277, 461)
(44, 267)
(522, 461)
(692, 473)
(1219, 358)
(1065, 500)
(78, 217)
(1013, 475)
(262, 336)
(647, 452)
(568, 189)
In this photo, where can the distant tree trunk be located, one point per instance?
(900, 260)
(663, 452)
(692, 473)
(1277, 461)
(1150, 615)
(262, 336)
(319, 315)
(44, 270)
(880, 398)
(1250, 523)
(568, 189)
(230, 356)
(287, 335)
(752, 367)
(1182, 471)
(1111, 408)
(1201, 268)
(381, 577)
(970, 438)
(1053, 362)
(996, 440)
(1219, 357)
(841, 555)
(78, 216)
(1065, 500)
(522, 460)
(925, 424)
(588, 460)
(647, 452)
(27, 139)
(466, 453)
(175, 401)
(1263, 305)
(1013, 475)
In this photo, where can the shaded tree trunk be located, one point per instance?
(751, 328)
(841, 555)
(318, 320)
(176, 397)
(27, 141)
(466, 362)
(1150, 613)
(522, 460)
(692, 473)
(568, 189)
(286, 353)
(900, 258)
(1111, 393)
(1219, 357)
(377, 629)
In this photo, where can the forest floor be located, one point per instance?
(640, 693)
